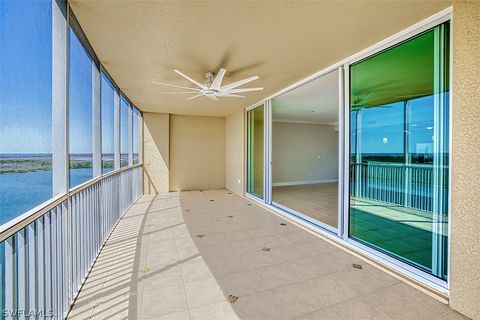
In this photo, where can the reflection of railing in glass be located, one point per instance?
(399, 151)
(405, 185)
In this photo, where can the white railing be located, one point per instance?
(45, 258)
(405, 185)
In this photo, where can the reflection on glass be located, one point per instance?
(255, 151)
(136, 136)
(25, 107)
(399, 151)
(124, 106)
(305, 150)
(80, 113)
(107, 124)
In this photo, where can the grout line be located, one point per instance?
(180, 267)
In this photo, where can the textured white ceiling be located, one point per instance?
(140, 42)
(313, 102)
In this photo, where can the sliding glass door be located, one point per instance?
(305, 151)
(399, 152)
(255, 151)
(381, 182)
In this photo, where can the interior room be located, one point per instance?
(305, 144)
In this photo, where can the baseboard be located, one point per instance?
(296, 183)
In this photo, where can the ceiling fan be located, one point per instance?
(213, 89)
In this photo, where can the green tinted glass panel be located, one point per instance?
(255, 165)
(399, 151)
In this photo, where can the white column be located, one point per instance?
(59, 99)
(116, 128)
(140, 143)
(440, 121)
(96, 119)
(130, 135)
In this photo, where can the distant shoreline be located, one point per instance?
(25, 163)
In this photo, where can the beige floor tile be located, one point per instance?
(356, 309)
(243, 283)
(274, 276)
(365, 280)
(399, 306)
(272, 241)
(216, 311)
(182, 315)
(162, 277)
(329, 290)
(163, 300)
(296, 299)
(258, 259)
(203, 292)
(422, 298)
(238, 235)
(313, 267)
(288, 253)
(316, 315)
(261, 306)
(229, 265)
(195, 269)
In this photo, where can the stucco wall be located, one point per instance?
(465, 214)
(304, 153)
(156, 152)
(234, 152)
(197, 152)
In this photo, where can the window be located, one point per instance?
(136, 136)
(25, 106)
(255, 168)
(124, 110)
(80, 113)
(399, 151)
(107, 124)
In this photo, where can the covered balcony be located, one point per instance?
(239, 160)
(213, 255)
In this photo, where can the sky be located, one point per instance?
(382, 127)
(25, 76)
(26, 84)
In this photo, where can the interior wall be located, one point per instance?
(304, 153)
(156, 152)
(235, 152)
(465, 205)
(197, 152)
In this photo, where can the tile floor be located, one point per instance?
(189, 255)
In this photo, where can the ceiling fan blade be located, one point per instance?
(175, 92)
(229, 95)
(195, 96)
(238, 83)
(211, 97)
(244, 90)
(191, 80)
(174, 86)
(217, 82)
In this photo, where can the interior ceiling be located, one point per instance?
(315, 102)
(140, 42)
